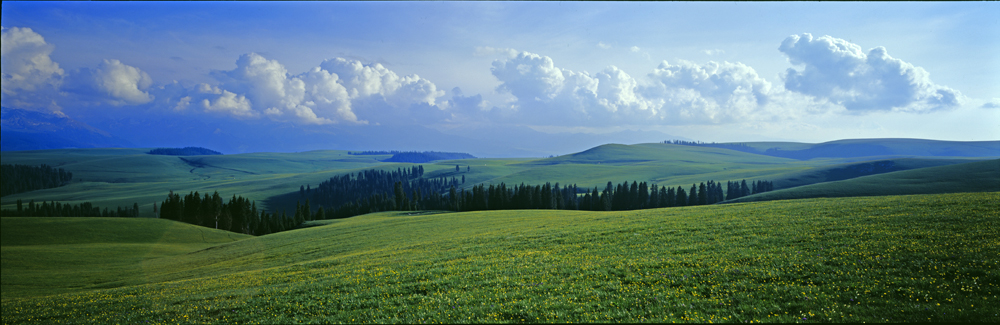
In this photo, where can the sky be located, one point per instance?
(506, 78)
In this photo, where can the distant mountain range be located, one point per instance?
(32, 130)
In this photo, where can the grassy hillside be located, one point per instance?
(43, 256)
(838, 172)
(854, 148)
(980, 176)
(895, 259)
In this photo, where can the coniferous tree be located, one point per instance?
(702, 194)
(681, 199)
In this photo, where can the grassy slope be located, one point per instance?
(57, 255)
(838, 172)
(966, 177)
(899, 258)
(885, 147)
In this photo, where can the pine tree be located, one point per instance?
(681, 199)
(702, 194)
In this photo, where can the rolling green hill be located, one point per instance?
(838, 172)
(866, 148)
(887, 259)
(43, 256)
(979, 176)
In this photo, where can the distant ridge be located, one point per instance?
(186, 151)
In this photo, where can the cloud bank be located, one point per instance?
(828, 75)
(838, 71)
(672, 93)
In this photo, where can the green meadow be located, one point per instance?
(870, 259)
(120, 177)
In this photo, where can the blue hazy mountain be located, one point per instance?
(33, 130)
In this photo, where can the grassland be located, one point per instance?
(888, 259)
(120, 177)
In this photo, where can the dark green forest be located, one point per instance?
(22, 178)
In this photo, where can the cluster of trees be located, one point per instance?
(56, 209)
(23, 178)
(740, 189)
(351, 188)
(238, 215)
(186, 151)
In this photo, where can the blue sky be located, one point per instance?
(723, 72)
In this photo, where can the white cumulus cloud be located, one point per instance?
(329, 93)
(26, 62)
(367, 80)
(839, 71)
(123, 83)
(711, 92)
(671, 93)
(27, 67)
(229, 103)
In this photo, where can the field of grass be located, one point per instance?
(978, 176)
(872, 259)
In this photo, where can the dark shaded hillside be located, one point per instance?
(980, 176)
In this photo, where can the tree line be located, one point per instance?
(405, 190)
(57, 209)
(23, 178)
